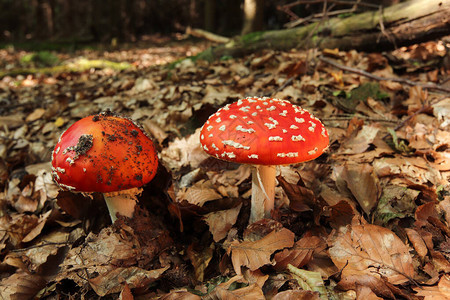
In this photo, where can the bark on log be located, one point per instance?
(398, 25)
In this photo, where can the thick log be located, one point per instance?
(398, 25)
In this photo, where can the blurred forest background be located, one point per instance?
(131, 20)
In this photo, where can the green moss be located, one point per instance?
(251, 37)
(77, 66)
(39, 59)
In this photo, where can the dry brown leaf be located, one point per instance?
(39, 226)
(255, 277)
(222, 291)
(119, 245)
(300, 254)
(198, 194)
(439, 292)
(296, 295)
(361, 142)
(200, 259)
(417, 242)
(300, 198)
(180, 295)
(35, 115)
(425, 211)
(377, 285)
(365, 293)
(415, 169)
(17, 226)
(363, 184)
(126, 293)
(366, 249)
(256, 254)
(21, 285)
(220, 222)
(113, 281)
(184, 152)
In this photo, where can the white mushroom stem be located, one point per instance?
(122, 202)
(263, 192)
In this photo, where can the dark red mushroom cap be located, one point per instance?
(103, 153)
(264, 131)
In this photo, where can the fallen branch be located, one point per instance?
(428, 85)
(200, 33)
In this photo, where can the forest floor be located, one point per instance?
(368, 219)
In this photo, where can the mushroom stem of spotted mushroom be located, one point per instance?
(263, 192)
(122, 202)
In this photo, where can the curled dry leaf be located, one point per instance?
(310, 281)
(255, 254)
(300, 254)
(198, 194)
(417, 242)
(363, 184)
(220, 222)
(365, 249)
(223, 291)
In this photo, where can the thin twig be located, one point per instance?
(289, 5)
(430, 86)
(40, 245)
(348, 118)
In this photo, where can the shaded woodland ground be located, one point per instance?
(369, 219)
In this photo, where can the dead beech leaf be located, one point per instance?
(198, 194)
(438, 292)
(365, 293)
(378, 285)
(126, 293)
(425, 211)
(296, 295)
(200, 259)
(300, 254)
(220, 222)
(366, 249)
(17, 226)
(361, 142)
(256, 254)
(255, 277)
(134, 277)
(300, 198)
(417, 242)
(180, 295)
(21, 285)
(37, 230)
(222, 291)
(36, 114)
(363, 184)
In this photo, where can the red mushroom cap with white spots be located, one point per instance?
(264, 131)
(103, 153)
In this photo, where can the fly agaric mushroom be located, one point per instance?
(263, 132)
(105, 153)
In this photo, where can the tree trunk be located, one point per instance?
(210, 19)
(404, 23)
(253, 15)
